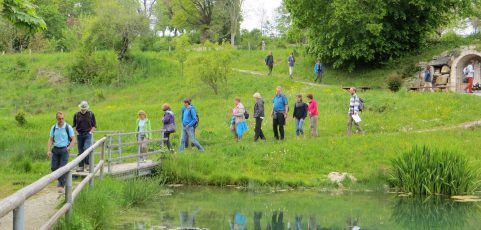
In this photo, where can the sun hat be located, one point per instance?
(84, 105)
(257, 95)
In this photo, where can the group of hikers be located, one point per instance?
(62, 135)
(291, 60)
(468, 77)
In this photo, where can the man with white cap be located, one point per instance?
(84, 125)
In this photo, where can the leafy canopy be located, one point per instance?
(22, 14)
(347, 33)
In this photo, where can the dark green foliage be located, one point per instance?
(94, 68)
(394, 83)
(22, 14)
(425, 171)
(20, 118)
(351, 33)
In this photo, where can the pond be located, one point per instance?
(226, 208)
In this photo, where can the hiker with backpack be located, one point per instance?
(279, 113)
(469, 74)
(356, 105)
(269, 63)
(84, 125)
(61, 141)
(428, 79)
(319, 71)
(259, 116)
(189, 119)
(143, 134)
(195, 125)
(291, 60)
(300, 114)
(313, 113)
(239, 123)
(169, 125)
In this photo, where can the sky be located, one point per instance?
(256, 10)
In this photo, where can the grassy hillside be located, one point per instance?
(38, 85)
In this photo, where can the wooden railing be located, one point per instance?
(16, 201)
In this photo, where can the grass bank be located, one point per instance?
(390, 120)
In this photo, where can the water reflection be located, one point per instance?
(433, 213)
(236, 210)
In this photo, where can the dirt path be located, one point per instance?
(459, 126)
(38, 209)
(261, 74)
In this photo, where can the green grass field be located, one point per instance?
(37, 84)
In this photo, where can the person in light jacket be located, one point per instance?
(313, 114)
(143, 133)
(239, 126)
(169, 125)
(259, 116)
(319, 71)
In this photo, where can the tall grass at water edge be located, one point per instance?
(426, 171)
(96, 208)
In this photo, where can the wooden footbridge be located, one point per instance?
(116, 154)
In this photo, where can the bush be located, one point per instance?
(20, 118)
(394, 83)
(425, 171)
(139, 191)
(95, 68)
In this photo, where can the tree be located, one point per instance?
(346, 33)
(194, 15)
(181, 51)
(283, 20)
(164, 13)
(234, 9)
(117, 24)
(22, 14)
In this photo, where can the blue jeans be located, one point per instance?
(299, 128)
(189, 133)
(59, 159)
(84, 141)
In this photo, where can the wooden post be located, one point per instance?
(91, 165)
(19, 217)
(119, 140)
(68, 193)
(109, 160)
(102, 157)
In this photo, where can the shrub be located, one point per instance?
(139, 191)
(20, 118)
(94, 68)
(394, 83)
(426, 171)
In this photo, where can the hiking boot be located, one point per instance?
(80, 169)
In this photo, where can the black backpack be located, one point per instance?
(361, 104)
(70, 137)
(246, 114)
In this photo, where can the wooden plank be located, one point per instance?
(124, 168)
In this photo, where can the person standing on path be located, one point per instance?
(84, 125)
(354, 105)
(143, 134)
(189, 119)
(291, 60)
(300, 114)
(428, 79)
(313, 114)
(195, 125)
(61, 141)
(319, 71)
(259, 116)
(269, 63)
(470, 77)
(279, 113)
(240, 125)
(169, 125)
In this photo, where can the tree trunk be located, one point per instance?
(232, 39)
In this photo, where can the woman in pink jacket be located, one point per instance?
(313, 113)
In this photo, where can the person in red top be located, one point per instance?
(313, 113)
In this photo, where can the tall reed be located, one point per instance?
(426, 171)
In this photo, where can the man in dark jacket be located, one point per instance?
(84, 125)
(270, 62)
(300, 114)
(259, 116)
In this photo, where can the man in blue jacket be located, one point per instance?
(319, 71)
(189, 119)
